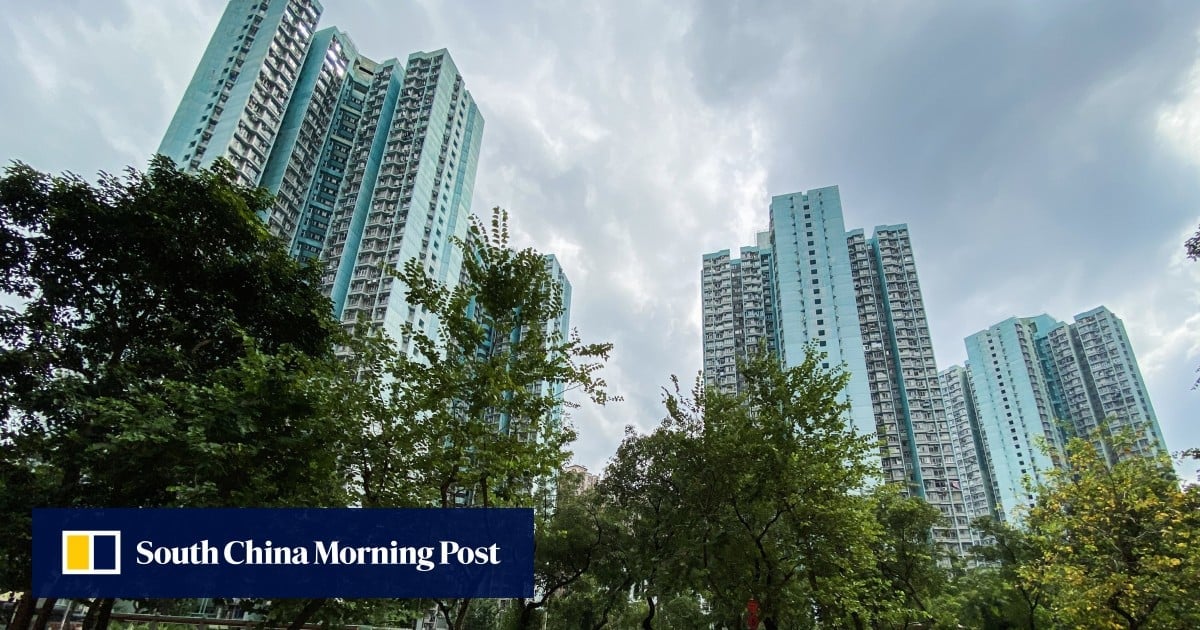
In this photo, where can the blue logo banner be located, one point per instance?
(176, 553)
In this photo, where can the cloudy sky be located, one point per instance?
(1045, 158)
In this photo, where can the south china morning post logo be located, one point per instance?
(283, 552)
(91, 552)
(333, 552)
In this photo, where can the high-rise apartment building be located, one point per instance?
(1014, 409)
(1036, 382)
(906, 397)
(309, 158)
(969, 443)
(815, 298)
(1100, 388)
(372, 164)
(738, 311)
(234, 106)
(414, 203)
(858, 300)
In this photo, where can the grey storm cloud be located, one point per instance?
(1045, 155)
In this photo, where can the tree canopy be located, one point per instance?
(167, 351)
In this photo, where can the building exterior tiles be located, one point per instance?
(807, 285)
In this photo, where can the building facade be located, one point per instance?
(1014, 409)
(906, 397)
(858, 300)
(816, 302)
(738, 311)
(234, 106)
(309, 157)
(371, 164)
(413, 203)
(1031, 384)
(969, 443)
(1099, 386)
(587, 480)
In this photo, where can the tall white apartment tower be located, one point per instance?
(906, 397)
(970, 444)
(1099, 387)
(234, 106)
(858, 301)
(409, 199)
(738, 311)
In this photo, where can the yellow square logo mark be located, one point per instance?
(91, 552)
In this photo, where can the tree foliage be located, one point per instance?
(912, 571)
(470, 416)
(167, 352)
(761, 495)
(478, 399)
(1118, 543)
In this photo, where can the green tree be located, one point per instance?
(780, 471)
(1120, 542)
(470, 417)
(913, 570)
(616, 555)
(758, 495)
(644, 489)
(168, 351)
(570, 537)
(477, 393)
(1011, 587)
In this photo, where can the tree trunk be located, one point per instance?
(44, 613)
(23, 615)
(461, 618)
(89, 620)
(648, 622)
(525, 621)
(769, 623)
(102, 617)
(306, 613)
